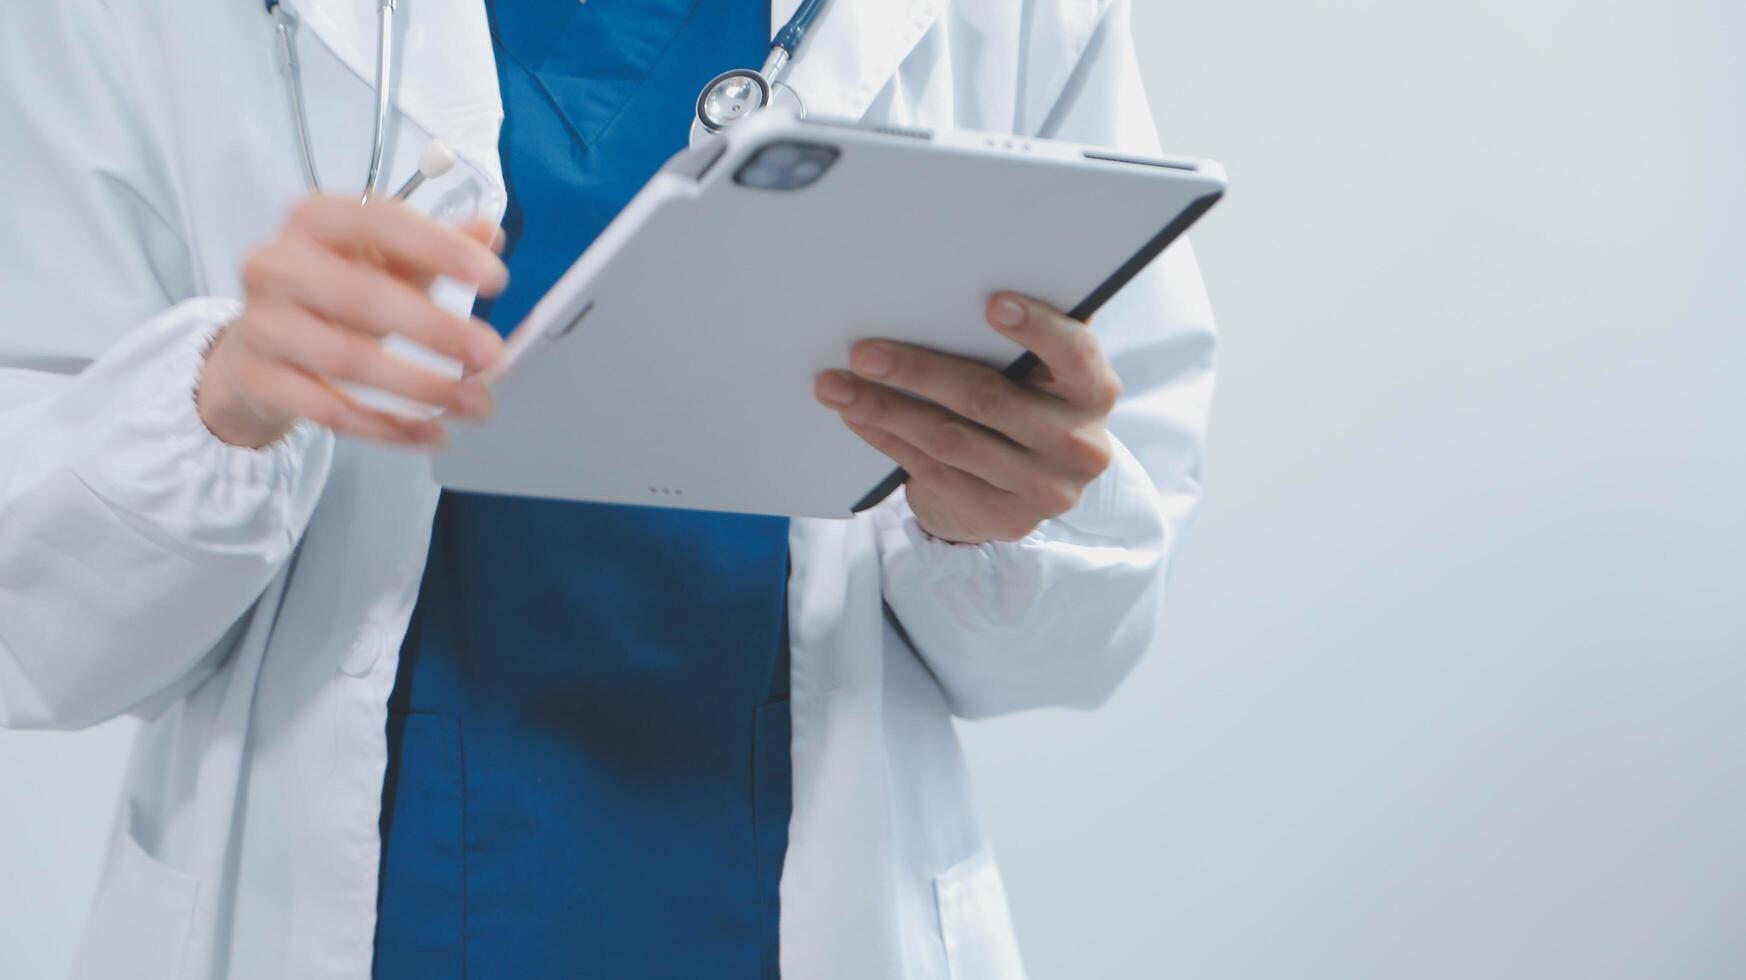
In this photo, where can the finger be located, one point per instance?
(924, 469)
(404, 237)
(282, 389)
(986, 512)
(945, 437)
(484, 232)
(320, 348)
(1082, 374)
(370, 301)
(488, 233)
(970, 389)
(392, 233)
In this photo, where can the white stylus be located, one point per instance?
(436, 160)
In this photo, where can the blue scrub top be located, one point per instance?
(588, 736)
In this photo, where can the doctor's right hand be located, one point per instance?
(319, 300)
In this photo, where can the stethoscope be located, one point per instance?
(728, 98)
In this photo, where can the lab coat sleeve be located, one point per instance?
(1060, 617)
(132, 541)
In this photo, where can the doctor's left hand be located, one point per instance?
(988, 458)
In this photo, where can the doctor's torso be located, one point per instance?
(266, 594)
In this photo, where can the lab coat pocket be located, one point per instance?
(139, 924)
(974, 922)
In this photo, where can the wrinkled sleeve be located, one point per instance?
(131, 540)
(1060, 617)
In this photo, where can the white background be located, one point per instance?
(1457, 661)
(1456, 680)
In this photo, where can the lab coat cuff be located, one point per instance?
(156, 462)
(1057, 617)
(275, 463)
(1115, 525)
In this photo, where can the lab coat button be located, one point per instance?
(365, 651)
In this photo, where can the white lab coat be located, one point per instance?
(248, 606)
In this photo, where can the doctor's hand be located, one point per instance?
(319, 300)
(988, 458)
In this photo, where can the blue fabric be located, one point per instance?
(589, 743)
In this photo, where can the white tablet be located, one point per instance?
(673, 364)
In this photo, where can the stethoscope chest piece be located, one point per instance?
(733, 96)
(730, 97)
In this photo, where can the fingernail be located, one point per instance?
(473, 400)
(494, 275)
(483, 347)
(875, 362)
(837, 391)
(1007, 312)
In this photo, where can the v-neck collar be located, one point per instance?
(448, 75)
(588, 60)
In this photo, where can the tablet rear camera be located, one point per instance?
(786, 166)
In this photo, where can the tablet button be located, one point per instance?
(566, 324)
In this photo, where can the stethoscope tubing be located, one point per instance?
(793, 32)
(284, 26)
(767, 79)
(289, 66)
(384, 94)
